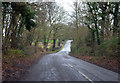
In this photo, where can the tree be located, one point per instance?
(78, 18)
(115, 12)
(103, 6)
(93, 18)
(48, 17)
(15, 17)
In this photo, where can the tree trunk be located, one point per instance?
(48, 39)
(13, 35)
(116, 19)
(97, 33)
(54, 44)
(102, 28)
(76, 11)
(103, 6)
(93, 42)
(44, 42)
(59, 43)
(108, 27)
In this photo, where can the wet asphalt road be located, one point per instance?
(62, 67)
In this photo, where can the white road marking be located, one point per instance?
(86, 77)
(70, 65)
(83, 74)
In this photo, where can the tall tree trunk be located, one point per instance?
(7, 36)
(1, 34)
(93, 42)
(13, 35)
(97, 33)
(54, 44)
(103, 6)
(48, 38)
(119, 42)
(4, 49)
(54, 39)
(98, 38)
(116, 21)
(108, 27)
(59, 43)
(102, 28)
(44, 42)
(76, 11)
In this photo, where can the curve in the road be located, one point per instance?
(62, 67)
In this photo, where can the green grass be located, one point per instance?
(57, 49)
(15, 52)
(50, 41)
(42, 46)
(54, 51)
(48, 47)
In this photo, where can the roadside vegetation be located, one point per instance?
(29, 30)
(98, 37)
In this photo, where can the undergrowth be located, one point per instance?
(107, 48)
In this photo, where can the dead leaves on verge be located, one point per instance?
(14, 67)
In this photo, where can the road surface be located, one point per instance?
(62, 67)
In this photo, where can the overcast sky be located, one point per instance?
(66, 4)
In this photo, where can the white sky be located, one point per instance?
(66, 4)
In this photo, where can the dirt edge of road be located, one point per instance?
(110, 63)
(13, 69)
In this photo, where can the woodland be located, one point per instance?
(31, 29)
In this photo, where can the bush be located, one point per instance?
(29, 50)
(14, 52)
(78, 48)
(108, 47)
(74, 49)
